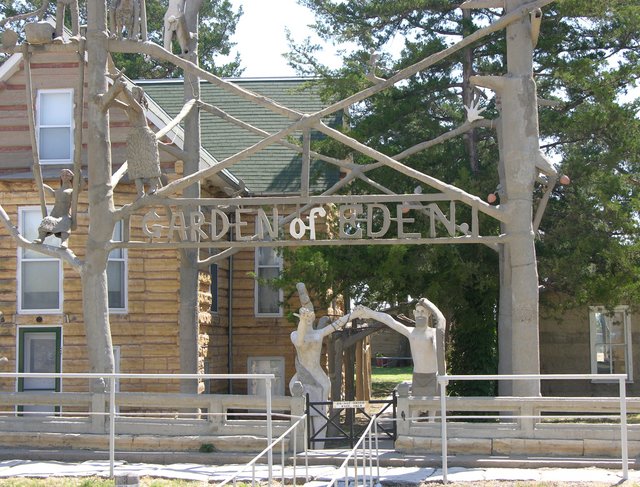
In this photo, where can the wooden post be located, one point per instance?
(78, 112)
(37, 171)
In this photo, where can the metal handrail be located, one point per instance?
(366, 435)
(301, 420)
(443, 380)
(113, 377)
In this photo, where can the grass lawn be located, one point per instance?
(385, 379)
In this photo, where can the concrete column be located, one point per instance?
(94, 274)
(189, 285)
(520, 151)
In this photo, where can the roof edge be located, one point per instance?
(232, 80)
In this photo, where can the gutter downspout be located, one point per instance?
(230, 321)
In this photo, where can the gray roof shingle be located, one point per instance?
(275, 169)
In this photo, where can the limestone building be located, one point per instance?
(242, 321)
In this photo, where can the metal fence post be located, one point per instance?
(112, 424)
(443, 426)
(269, 428)
(623, 428)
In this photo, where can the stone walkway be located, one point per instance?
(318, 474)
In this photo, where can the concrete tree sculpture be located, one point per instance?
(522, 162)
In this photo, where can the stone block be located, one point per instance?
(404, 444)
(606, 448)
(551, 447)
(39, 32)
(469, 446)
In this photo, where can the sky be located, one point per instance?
(261, 39)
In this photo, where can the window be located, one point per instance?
(266, 365)
(611, 341)
(39, 276)
(54, 120)
(268, 298)
(117, 273)
(214, 288)
(39, 351)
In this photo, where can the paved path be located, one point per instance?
(318, 474)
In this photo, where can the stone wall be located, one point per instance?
(565, 349)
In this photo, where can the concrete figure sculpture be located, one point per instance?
(126, 18)
(143, 158)
(423, 341)
(310, 377)
(61, 6)
(175, 25)
(58, 223)
(308, 343)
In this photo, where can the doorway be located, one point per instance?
(39, 351)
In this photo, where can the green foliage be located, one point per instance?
(207, 448)
(586, 60)
(589, 250)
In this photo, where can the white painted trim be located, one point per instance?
(21, 211)
(10, 67)
(41, 92)
(125, 284)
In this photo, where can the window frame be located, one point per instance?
(71, 125)
(255, 387)
(22, 210)
(125, 272)
(628, 346)
(23, 330)
(257, 285)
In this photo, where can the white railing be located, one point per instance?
(367, 449)
(300, 423)
(113, 379)
(621, 378)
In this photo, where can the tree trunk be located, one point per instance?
(189, 285)
(520, 141)
(94, 273)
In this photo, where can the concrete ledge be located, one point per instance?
(601, 448)
(583, 448)
(552, 448)
(142, 443)
(455, 446)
